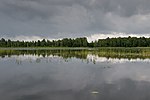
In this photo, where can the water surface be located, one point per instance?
(73, 75)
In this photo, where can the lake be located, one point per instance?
(75, 74)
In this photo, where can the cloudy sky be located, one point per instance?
(35, 19)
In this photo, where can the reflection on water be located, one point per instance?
(19, 59)
(73, 75)
(100, 55)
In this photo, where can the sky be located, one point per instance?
(56, 19)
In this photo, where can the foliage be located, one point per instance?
(80, 42)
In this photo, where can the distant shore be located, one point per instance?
(42, 48)
(81, 52)
(71, 48)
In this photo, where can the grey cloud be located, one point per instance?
(46, 8)
(28, 10)
(124, 8)
(49, 17)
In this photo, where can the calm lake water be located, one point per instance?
(72, 75)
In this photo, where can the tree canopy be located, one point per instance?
(80, 42)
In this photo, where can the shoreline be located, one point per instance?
(67, 48)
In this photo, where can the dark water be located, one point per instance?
(77, 76)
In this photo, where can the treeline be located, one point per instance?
(123, 42)
(66, 42)
(80, 42)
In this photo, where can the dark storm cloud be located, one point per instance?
(21, 9)
(49, 17)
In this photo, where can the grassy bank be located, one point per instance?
(94, 48)
(109, 52)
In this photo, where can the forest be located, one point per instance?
(80, 42)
